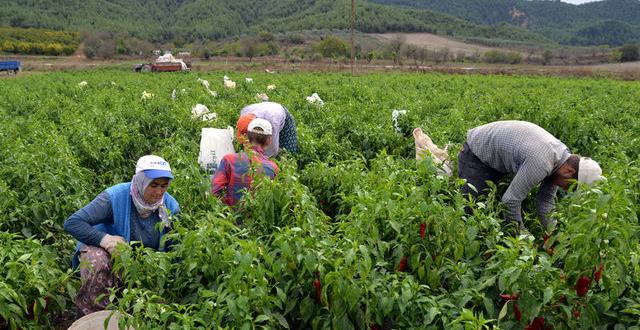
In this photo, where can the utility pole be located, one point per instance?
(353, 45)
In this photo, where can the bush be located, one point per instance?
(629, 53)
(295, 38)
(547, 55)
(99, 45)
(333, 47)
(266, 37)
(500, 57)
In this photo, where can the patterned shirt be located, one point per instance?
(276, 114)
(523, 149)
(234, 175)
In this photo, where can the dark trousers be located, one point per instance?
(472, 169)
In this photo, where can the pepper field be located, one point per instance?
(353, 233)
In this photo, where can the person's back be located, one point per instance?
(276, 114)
(236, 172)
(532, 154)
(284, 131)
(506, 145)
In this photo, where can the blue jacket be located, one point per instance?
(121, 206)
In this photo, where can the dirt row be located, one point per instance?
(38, 64)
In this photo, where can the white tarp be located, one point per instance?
(168, 58)
(215, 143)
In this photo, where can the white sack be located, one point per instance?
(215, 143)
(426, 147)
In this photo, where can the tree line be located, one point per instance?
(613, 22)
(38, 41)
(160, 21)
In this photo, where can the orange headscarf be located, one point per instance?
(243, 126)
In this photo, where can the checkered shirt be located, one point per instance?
(523, 149)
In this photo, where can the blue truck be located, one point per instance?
(14, 66)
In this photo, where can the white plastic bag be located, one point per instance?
(395, 115)
(198, 110)
(215, 143)
(315, 99)
(426, 147)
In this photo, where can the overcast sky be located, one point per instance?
(577, 2)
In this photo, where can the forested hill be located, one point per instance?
(612, 22)
(166, 20)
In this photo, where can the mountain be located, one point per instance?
(166, 20)
(612, 22)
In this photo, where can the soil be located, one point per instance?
(38, 64)
(434, 42)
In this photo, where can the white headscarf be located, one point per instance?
(139, 184)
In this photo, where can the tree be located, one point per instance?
(629, 52)
(295, 38)
(547, 55)
(412, 53)
(333, 47)
(266, 37)
(99, 45)
(396, 46)
(248, 48)
(370, 56)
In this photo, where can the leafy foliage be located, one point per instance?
(612, 22)
(163, 21)
(38, 41)
(321, 245)
(32, 282)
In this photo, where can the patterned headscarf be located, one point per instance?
(139, 184)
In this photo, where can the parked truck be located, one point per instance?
(9, 66)
(165, 63)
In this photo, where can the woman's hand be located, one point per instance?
(110, 242)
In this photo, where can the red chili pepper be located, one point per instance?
(546, 238)
(576, 313)
(550, 250)
(582, 286)
(423, 229)
(318, 286)
(516, 311)
(30, 313)
(375, 327)
(536, 324)
(510, 297)
(403, 264)
(598, 273)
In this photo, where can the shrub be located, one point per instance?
(496, 56)
(629, 53)
(333, 47)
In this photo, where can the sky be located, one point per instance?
(577, 2)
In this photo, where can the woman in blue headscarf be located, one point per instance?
(127, 212)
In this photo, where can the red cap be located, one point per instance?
(243, 125)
